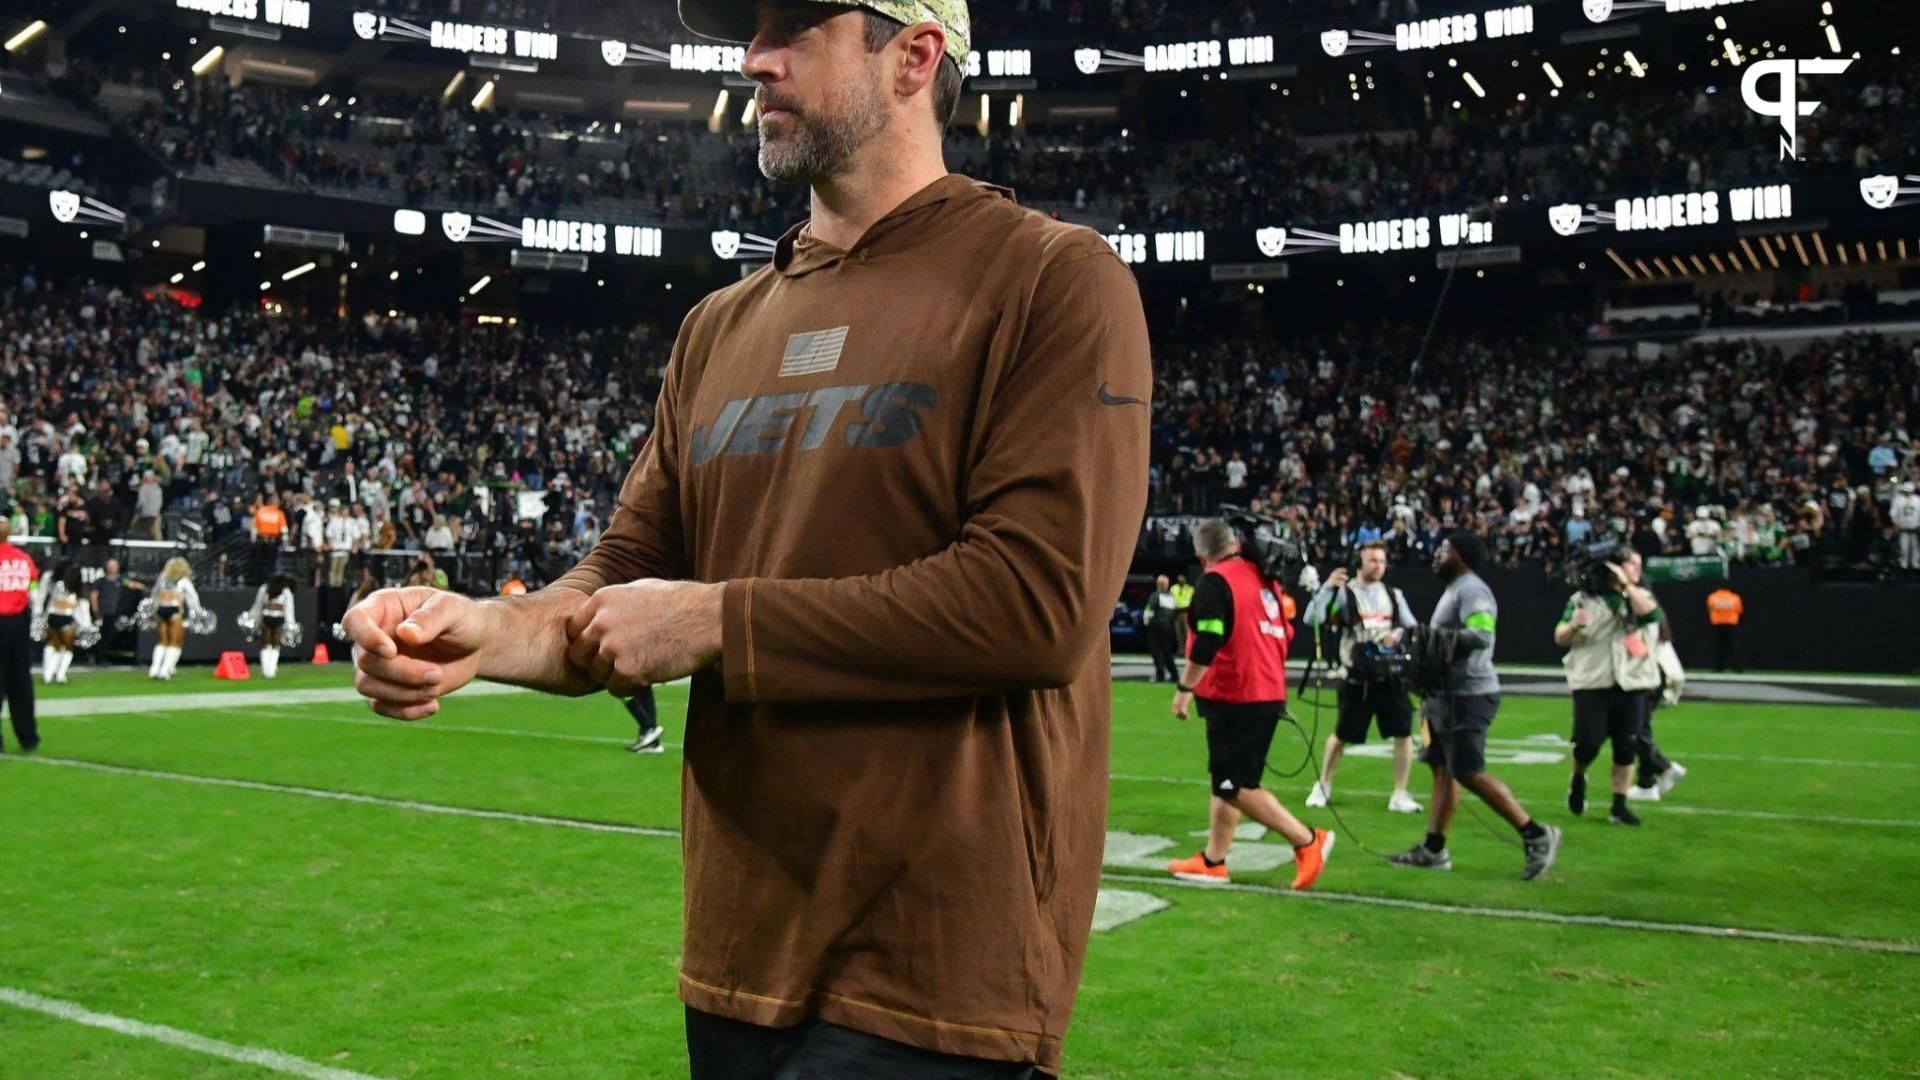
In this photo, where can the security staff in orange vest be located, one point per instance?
(1237, 670)
(1724, 608)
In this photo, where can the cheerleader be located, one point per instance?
(272, 612)
(174, 600)
(65, 609)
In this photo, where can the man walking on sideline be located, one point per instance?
(1724, 611)
(930, 395)
(1163, 641)
(1237, 670)
(1459, 717)
(18, 576)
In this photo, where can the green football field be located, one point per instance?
(244, 880)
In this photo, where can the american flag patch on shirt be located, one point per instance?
(813, 352)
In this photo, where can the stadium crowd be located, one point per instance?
(1765, 455)
(121, 412)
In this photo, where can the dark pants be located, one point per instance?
(1651, 762)
(16, 678)
(723, 1049)
(1726, 653)
(641, 707)
(1161, 641)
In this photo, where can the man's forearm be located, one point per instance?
(526, 642)
(1195, 672)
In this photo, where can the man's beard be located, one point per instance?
(819, 146)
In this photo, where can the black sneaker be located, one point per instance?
(1622, 815)
(1541, 851)
(648, 742)
(1418, 857)
(1577, 795)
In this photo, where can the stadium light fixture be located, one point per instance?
(1474, 84)
(1833, 37)
(322, 103)
(1698, 265)
(199, 266)
(393, 276)
(27, 33)
(1861, 248)
(1733, 52)
(1660, 264)
(483, 96)
(1622, 264)
(177, 278)
(1552, 75)
(453, 86)
(1734, 258)
(747, 115)
(265, 285)
(1633, 62)
(1820, 248)
(298, 271)
(484, 281)
(212, 57)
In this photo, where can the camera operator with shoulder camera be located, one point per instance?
(1237, 670)
(1607, 630)
(1373, 619)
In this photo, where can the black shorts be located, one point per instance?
(1363, 703)
(273, 622)
(166, 614)
(1238, 738)
(1611, 714)
(59, 622)
(1458, 725)
(719, 1048)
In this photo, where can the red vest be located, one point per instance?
(1252, 665)
(17, 575)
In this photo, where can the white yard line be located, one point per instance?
(230, 699)
(350, 797)
(1524, 915)
(185, 1040)
(1611, 922)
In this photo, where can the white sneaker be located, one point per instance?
(1402, 803)
(1674, 774)
(1637, 793)
(1319, 796)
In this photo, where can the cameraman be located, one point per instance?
(1373, 619)
(1237, 668)
(1606, 630)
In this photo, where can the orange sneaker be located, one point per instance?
(1312, 859)
(1196, 869)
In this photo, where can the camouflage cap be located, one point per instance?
(735, 20)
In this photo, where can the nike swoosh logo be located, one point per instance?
(1108, 398)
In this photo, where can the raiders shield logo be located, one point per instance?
(368, 25)
(726, 243)
(1597, 10)
(1272, 242)
(1087, 60)
(64, 204)
(456, 225)
(1334, 42)
(613, 52)
(1880, 191)
(1565, 218)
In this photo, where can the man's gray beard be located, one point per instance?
(817, 150)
